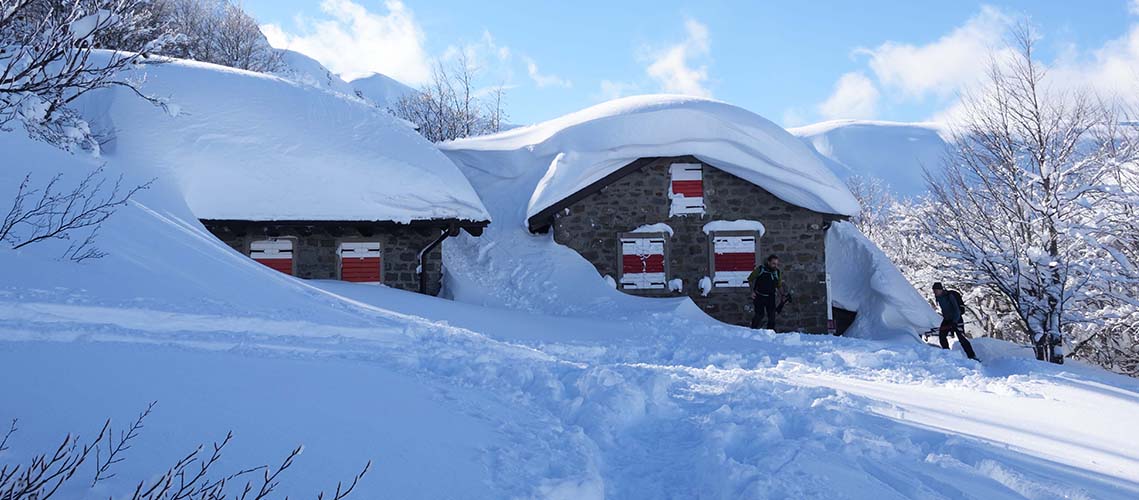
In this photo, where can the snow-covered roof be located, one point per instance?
(249, 146)
(581, 148)
(892, 151)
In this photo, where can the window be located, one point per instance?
(643, 261)
(733, 258)
(360, 261)
(687, 190)
(276, 253)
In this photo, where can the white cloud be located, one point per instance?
(1133, 7)
(355, 42)
(680, 68)
(544, 80)
(854, 96)
(942, 67)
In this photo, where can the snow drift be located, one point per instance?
(248, 146)
(582, 147)
(893, 152)
(864, 280)
(384, 91)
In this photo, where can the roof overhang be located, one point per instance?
(475, 228)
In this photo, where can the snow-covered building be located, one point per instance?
(307, 180)
(669, 195)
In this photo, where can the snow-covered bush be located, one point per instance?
(46, 62)
(76, 462)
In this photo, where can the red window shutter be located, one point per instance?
(276, 253)
(687, 189)
(642, 263)
(734, 260)
(361, 261)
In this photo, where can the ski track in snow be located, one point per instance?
(711, 406)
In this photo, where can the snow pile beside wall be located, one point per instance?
(249, 146)
(864, 280)
(583, 147)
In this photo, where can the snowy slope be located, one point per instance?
(540, 382)
(243, 145)
(894, 152)
(381, 89)
(580, 148)
(308, 71)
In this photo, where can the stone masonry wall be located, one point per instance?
(591, 227)
(314, 249)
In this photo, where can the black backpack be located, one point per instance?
(958, 299)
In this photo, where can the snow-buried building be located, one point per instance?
(670, 195)
(310, 182)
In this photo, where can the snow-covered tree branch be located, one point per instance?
(46, 62)
(1030, 202)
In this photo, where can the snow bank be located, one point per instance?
(382, 90)
(580, 148)
(734, 225)
(305, 70)
(864, 280)
(244, 145)
(893, 152)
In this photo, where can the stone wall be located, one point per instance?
(314, 248)
(591, 227)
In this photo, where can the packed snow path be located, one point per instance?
(715, 413)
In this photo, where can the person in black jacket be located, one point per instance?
(951, 320)
(766, 283)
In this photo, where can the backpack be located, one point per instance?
(958, 299)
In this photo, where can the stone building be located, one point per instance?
(663, 226)
(405, 256)
(313, 184)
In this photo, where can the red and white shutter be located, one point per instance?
(687, 190)
(734, 260)
(360, 261)
(276, 253)
(642, 263)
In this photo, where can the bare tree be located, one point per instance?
(213, 31)
(1023, 202)
(190, 478)
(52, 212)
(449, 106)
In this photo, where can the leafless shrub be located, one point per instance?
(190, 478)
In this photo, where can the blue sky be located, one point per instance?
(793, 62)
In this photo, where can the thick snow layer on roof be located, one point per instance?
(864, 280)
(894, 152)
(249, 146)
(580, 148)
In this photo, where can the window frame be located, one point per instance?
(712, 254)
(621, 260)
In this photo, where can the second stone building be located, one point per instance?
(663, 226)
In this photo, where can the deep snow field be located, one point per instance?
(531, 379)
